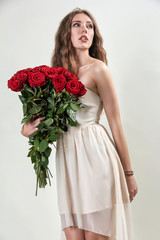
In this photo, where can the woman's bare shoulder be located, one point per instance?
(98, 66)
(99, 69)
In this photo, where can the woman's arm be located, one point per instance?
(106, 89)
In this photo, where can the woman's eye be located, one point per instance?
(76, 24)
(90, 26)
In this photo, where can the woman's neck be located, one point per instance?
(83, 58)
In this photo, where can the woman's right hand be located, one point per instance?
(31, 127)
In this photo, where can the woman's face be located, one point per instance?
(82, 25)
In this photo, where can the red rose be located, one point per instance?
(15, 85)
(36, 69)
(59, 81)
(70, 76)
(27, 70)
(82, 90)
(61, 70)
(50, 72)
(73, 86)
(21, 76)
(43, 68)
(36, 79)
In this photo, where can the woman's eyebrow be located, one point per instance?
(80, 21)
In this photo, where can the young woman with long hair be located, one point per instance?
(95, 182)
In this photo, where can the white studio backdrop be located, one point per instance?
(131, 34)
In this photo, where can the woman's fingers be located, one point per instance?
(133, 194)
(35, 130)
(32, 132)
(37, 121)
(131, 199)
(36, 115)
(42, 118)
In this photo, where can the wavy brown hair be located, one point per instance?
(64, 52)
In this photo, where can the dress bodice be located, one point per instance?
(91, 113)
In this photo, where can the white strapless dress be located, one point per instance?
(91, 186)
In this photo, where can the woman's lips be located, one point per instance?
(83, 40)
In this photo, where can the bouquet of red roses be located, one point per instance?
(53, 93)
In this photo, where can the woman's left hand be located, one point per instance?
(132, 186)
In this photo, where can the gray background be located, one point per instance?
(131, 34)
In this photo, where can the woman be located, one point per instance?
(95, 181)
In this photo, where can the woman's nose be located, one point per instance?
(84, 29)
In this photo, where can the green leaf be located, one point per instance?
(43, 145)
(38, 95)
(24, 109)
(37, 170)
(48, 152)
(26, 119)
(62, 129)
(33, 158)
(58, 100)
(65, 105)
(49, 113)
(32, 102)
(35, 109)
(40, 182)
(36, 142)
(82, 105)
(29, 89)
(44, 130)
(43, 159)
(74, 106)
(53, 131)
(36, 165)
(51, 106)
(53, 137)
(66, 120)
(26, 94)
(50, 100)
(71, 114)
(35, 90)
(60, 110)
(30, 152)
(66, 93)
(43, 103)
(23, 100)
(71, 122)
(63, 120)
(51, 128)
(48, 121)
(40, 126)
(45, 163)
